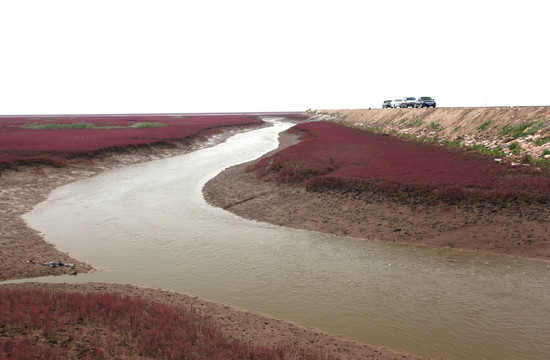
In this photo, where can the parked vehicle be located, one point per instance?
(397, 103)
(409, 102)
(425, 101)
(386, 104)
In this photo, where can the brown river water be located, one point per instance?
(148, 224)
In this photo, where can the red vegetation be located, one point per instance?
(296, 116)
(41, 324)
(332, 156)
(20, 144)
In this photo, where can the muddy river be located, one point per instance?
(148, 224)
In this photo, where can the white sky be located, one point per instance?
(118, 56)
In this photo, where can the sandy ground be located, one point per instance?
(23, 251)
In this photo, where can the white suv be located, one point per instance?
(397, 103)
(409, 102)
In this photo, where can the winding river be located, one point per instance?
(148, 224)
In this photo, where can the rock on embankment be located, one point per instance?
(511, 132)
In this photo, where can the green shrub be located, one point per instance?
(542, 141)
(522, 130)
(435, 125)
(496, 152)
(58, 126)
(451, 144)
(147, 124)
(515, 148)
(416, 122)
(535, 161)
(485, 125)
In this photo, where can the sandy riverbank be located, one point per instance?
(23, 250)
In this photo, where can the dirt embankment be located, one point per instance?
(490, 127)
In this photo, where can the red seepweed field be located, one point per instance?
(40, 324)
(332, 156)
(54, 139)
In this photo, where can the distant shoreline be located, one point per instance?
(245, 113)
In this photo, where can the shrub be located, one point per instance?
(436, 126)
(536, 161)
(515, 148)
(485, 125)
(494, 152)
(542, 141)
(147, 124)
(451, 144)
(58, 126)
(522, 130)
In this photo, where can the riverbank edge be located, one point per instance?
(24, 250)
(517, 231)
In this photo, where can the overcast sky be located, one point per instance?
(118, 56)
